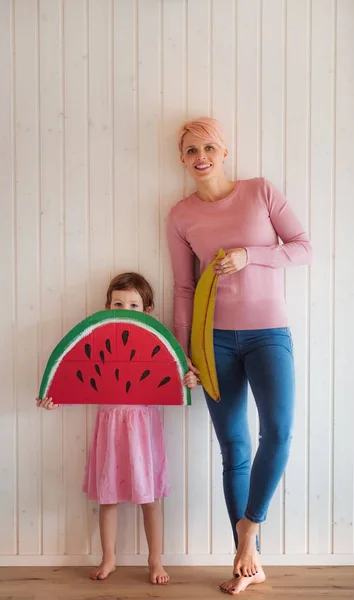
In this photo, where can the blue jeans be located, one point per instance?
(264, 358)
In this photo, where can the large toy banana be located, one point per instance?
(202, 347)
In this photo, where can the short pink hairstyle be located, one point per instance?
(203, 127)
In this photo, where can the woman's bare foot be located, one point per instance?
(236, 585)
(247, 559)
(106, 568)
(157, 572)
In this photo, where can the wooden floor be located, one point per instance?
(188, 583)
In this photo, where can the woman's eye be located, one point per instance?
(209, 148)
(191, 150)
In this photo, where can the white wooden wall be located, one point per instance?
(92, 92)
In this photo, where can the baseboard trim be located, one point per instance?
(175, 560)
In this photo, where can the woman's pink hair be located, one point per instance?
(203, 127)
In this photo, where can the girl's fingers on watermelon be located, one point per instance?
(47, 403)
(190, 380)
(191, 367)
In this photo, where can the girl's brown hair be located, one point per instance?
(132, 281)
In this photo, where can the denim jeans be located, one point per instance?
(264, 358)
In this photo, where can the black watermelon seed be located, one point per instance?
(125, 336)
(128, 386)
(102, 356)
(108, 346)
(145, 374)
(98, 370)
(116, 372)
(155, 350)
(79, 375)
(93, 384)
(88, 350)
(132, 354)
(164, 381)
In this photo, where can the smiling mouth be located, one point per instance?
(202, 167)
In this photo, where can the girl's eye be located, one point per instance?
(117, 304)
(134, 306)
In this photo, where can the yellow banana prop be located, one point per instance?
(202, 347)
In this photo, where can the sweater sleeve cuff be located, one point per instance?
(258, 255)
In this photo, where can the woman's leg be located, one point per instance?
(153, 530)
(108, 533)
(269, 366)
(230, 421)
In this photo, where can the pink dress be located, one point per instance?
(127, 459)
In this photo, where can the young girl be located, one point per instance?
(127, 459)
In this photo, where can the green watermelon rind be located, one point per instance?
(84, 328)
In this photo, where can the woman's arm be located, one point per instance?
(296, 248)
(182, 258)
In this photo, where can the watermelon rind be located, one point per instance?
(103, 317)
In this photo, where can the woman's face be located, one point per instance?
(202, 157)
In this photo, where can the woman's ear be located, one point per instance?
(181, 159)
(226, 153)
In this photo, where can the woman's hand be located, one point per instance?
(234, 260)
(190, 380)
(46, 403)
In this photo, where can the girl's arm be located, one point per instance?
(296, 248)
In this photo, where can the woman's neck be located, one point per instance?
(214, 189)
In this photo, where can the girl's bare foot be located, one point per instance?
(247, 559)
(106, 568)
(157, 572)
(236, 585)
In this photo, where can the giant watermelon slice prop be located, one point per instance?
(117, 357)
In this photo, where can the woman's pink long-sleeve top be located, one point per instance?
(254, 216)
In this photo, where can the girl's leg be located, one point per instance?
(153, 530)
(108, 533)
(270, 369)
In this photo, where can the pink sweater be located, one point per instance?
(254, 216)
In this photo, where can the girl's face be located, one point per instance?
(202, 157)
(127, 300)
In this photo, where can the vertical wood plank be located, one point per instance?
(8, 513)
(76, 253)
(28, 310)
(344, 283)
(51, 209)
(125, 135)
(321, 279)
(198, 423)
(149, 118)
(125, 209)
(223, 69)
(100, 183)
(272, 165)
(248, 89)
(297, 183)
(172, 176)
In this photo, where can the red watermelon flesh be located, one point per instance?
(120, 364)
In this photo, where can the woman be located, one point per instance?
(252, 342)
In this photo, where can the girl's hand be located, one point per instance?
(190, 380)
(46, 403)
(191, 367)
(235, 260)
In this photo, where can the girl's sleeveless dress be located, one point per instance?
(127, 458)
